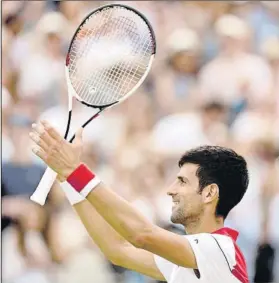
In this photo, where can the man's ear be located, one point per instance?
(210, 193)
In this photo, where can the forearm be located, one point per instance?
(105, 237)
(119, 213)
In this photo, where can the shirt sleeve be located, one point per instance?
(166, 267)
(215, 254)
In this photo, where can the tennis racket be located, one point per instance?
(108, 58)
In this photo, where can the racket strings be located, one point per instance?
(115, 74)
(127, 76)
(108, 74)
(79, 49)
(92, 35)
(138, 73)
(100, 81)
(121, 71)
(84, 33)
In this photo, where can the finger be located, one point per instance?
(40, 153)
(43, 134)
(38, 128)
(36, 138)
(52, 132)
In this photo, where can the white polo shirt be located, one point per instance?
(218, 257)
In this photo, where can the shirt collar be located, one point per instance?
(228, 232)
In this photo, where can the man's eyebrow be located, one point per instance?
(183, 179)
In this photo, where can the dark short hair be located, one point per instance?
(221, 166)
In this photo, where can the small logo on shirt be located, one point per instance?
(197, 273)
(197, 241)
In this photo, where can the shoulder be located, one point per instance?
(220, 244)
(215, 251)
(213, 242)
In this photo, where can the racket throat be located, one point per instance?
(68, 125)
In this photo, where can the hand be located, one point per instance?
(60, 155)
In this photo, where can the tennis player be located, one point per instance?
(210, 182)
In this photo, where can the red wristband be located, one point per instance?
(80, 177)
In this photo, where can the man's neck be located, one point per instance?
(204, 225)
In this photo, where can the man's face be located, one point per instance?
(185, 62)
(187, 201)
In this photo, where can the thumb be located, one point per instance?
(78, 137)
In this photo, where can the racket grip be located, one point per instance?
(43, 189)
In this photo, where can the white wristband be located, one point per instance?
(72, 195)
(90, 186)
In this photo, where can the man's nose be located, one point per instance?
(172, 191)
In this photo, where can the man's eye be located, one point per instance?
(181, 182)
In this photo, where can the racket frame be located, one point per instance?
(49, 177)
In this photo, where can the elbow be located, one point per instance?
(138, 241)
(141, 240)
(116, 257)
(115, 260)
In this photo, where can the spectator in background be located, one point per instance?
(7, 144)
(21, 163)
(19, 45)
(266, 266)
(235, 75)
(45, 65)
(76, 258)
(174, 134)
(263, 17)
(176, 83)
(20, 177)
(201, 16)
(74, 11)
(6, 43)
(270, 51)
(253, 217)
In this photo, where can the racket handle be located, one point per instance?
(42, 190)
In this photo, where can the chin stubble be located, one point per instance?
(179, 217)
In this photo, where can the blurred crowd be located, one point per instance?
(215, 80)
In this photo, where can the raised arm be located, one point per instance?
(64, 158)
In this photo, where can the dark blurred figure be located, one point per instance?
(265, 258)
(5, 220)
(264, 264)
(22, 164)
